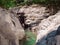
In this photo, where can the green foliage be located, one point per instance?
(43, 1)
(30, 38)
(7, 3)
(12, 3)
(38, 1)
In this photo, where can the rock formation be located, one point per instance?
(33, 15)
(41, 21)
(47, 30)
(10, 28)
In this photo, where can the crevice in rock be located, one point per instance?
(22, 20)
(13, 23)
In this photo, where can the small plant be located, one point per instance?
(30, 38)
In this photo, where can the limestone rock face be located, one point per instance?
(10, 27)
(33, 15)
(48, 29)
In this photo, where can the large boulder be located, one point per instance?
(47, 30)
(10, 27)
